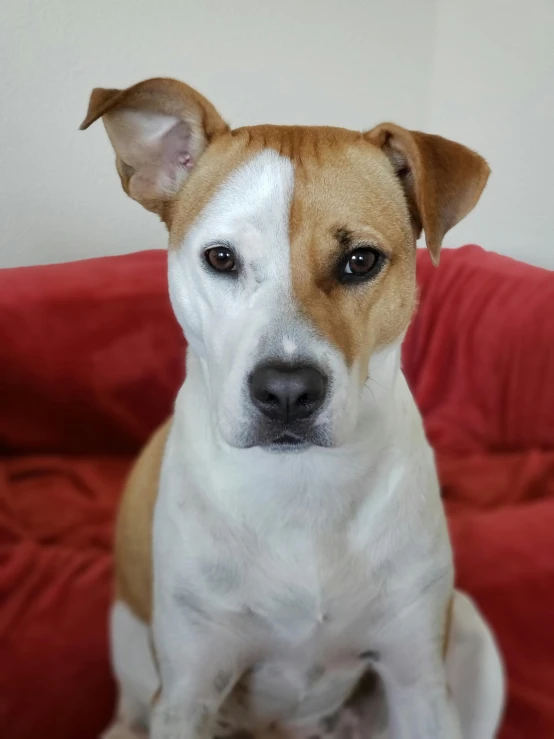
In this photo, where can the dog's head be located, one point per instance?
(291, 249)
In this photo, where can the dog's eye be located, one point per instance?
(221, 258)
(360, 263)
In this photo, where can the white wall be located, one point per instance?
(293, 61)
(477, 70)
(492, 88)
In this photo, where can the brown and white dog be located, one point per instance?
(283, 536)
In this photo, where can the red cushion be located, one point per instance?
(56, 521)
(501, 515)
(90, 355)
(480, 353)
(90, 360)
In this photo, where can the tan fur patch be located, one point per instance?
(346, 196)
(133, 538)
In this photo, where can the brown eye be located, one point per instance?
(361, 262)
(221, 258)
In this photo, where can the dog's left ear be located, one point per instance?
(158, 129)
(442, 180)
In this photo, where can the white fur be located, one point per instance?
(133, 665)
(473, 668)
(287, 562)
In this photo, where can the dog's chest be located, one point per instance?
(309, 590)
(309, 613)
(308, 603)
(310, 607)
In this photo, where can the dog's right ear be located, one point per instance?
(158, 129)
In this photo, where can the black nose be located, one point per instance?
(285, 393)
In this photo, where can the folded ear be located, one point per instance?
(158, 129)
(442, 180)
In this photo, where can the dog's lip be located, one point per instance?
(287, 442)
(288, 439)
(282, 438)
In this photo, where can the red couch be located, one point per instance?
(90, 360)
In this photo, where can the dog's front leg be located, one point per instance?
(423, 708)
(198, 667)
(411, 665)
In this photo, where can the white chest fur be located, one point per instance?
(299, 564)
(310, 616)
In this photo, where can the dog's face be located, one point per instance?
(292, 250)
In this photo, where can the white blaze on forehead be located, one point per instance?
(251, 210)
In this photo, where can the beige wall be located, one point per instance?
(472, 69)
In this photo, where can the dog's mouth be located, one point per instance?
(287, 442)
(282, 440)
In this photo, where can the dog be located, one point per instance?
(282, 537)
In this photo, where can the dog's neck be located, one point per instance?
(288, 485)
